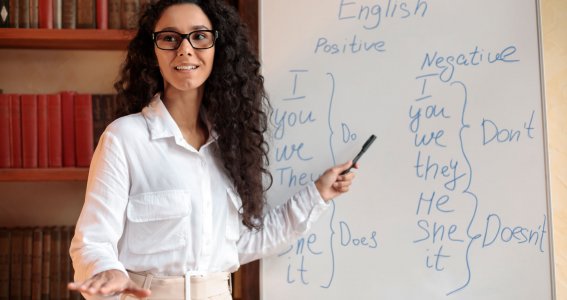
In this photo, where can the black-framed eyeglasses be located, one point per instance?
(171, 40)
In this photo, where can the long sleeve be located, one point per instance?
(282, 224)
(99, 228)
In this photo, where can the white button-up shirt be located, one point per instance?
(154, 203)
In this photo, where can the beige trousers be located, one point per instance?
(214, 286)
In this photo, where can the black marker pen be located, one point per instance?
(357, 157)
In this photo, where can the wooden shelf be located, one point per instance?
(48, 174)
(81, 39)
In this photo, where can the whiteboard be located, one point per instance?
(452, 200)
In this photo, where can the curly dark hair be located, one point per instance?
(234, 97)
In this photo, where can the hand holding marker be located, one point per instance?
(357, 157)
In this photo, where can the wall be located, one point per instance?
(554, 17)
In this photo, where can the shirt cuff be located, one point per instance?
(317, 201)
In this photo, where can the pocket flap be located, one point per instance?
(158, 206)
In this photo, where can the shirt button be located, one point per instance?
(203, 162)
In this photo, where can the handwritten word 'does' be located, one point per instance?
(347, 238)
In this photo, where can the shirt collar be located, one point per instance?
(161, 124)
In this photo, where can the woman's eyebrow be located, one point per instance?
(196, 27)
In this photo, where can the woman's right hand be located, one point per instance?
(107, 283)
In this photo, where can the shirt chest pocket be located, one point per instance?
(158, 221)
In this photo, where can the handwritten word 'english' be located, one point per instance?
(371, 16)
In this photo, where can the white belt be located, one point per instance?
(147, 279)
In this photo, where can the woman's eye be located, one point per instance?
(170, 38)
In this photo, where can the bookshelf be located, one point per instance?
(69, 39)
(47, 174)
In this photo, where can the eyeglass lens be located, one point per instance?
(171, 40)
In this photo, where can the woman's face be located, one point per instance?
(186, 68)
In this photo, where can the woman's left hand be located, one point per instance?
(332, 184)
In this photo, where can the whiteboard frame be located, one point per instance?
(546, 150)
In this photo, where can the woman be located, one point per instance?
(174, 198)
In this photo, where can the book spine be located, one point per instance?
(86, 13)
(27, 264)
(42, 132)
(129, 13)
(37, 258)
(24, 13)
(34, 13)
(55, 274)
(55, 131)
(114, 14)
(83, 129)
(16, 132)
(5, 13)
(57, 13)
(102, 14)
(45, 263)
(5, 130)
(46, 14)
(69, 14)
(29, 131)
(16, 264)
(65, 263)
(68, 125)
(14, 13)
(5, 236)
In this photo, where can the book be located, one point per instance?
(68, 128)
(86, 13)
(55, 131)
(45, 14)
(55, 265)
(129, 10)
(83, 129)
(16, 132)
(99, 119)
(34, 13)
(114, 21)
(23, 13)
(69, 14)
(14, 12)
(27, 263)
(42, 132)
(16, 263)
(46, 263)
(57, 14)
(65, 263)
(29, 130)
(4, 13)
(37, 257)
(5, 236)
(102, 14)
(5, 121)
